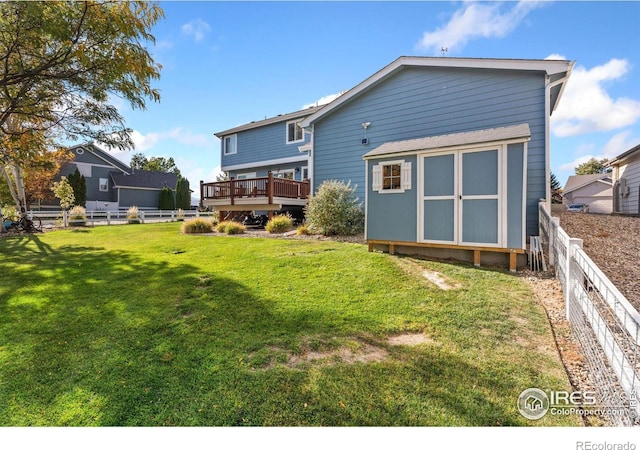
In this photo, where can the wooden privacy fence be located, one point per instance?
(605, 324)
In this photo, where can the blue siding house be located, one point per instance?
(449, 155)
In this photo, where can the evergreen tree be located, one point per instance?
(166, 200)
(79, 185)
(183, 193)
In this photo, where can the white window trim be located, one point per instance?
(224, 144)
(295, 141)
(405, 177)
(280, 173)
(245, 175)
(106, 184)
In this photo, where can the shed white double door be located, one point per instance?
(460, 198)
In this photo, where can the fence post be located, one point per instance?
(572, 245)
(141, 216)
(108, 217)
(554, 224)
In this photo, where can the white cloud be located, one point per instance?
(473, 21)
(146, 141)
(619, 144)
(196, 28)
(586, 106)
(576, 162)
(323, 100)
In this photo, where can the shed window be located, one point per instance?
(392, 177)
(294, 132)
(230, 144)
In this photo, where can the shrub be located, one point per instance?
(133, 215)
(303, 230)
(280, 224)
(77, 216)
(230, 227)
(166, 199)
(335, 209)
(197, 225)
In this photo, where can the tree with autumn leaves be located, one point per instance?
(61, 63)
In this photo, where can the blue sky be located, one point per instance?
(229, 63)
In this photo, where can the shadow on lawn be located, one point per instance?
(96, 337)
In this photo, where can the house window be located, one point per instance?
(294, 132)
(392, 177)
(104, 185)
(287, 174)
(305, 173)
(391, 174)
(230, 144)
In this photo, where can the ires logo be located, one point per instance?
(534, 403)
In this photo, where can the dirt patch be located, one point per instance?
(417, 269)
(410, 340)
(365, 353)
(349, 351)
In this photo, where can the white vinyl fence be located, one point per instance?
(605, 324)
(119, 217)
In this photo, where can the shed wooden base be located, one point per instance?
(477, 251)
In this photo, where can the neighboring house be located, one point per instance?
(594, 190)
(626, 182)
(450, 156)
(113, 185)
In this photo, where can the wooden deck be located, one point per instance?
(267, 193)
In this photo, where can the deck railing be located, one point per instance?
(262, 187)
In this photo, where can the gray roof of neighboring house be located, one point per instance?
(619, 159)
(268, 121)
(577, 181)
(452, 140)
(145, 179)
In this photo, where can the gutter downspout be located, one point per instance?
(547, 142)
(310, 154)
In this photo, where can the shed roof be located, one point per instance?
(145, 179)
(520, 131)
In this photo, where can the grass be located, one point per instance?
(145, 326)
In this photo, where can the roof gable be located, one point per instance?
(575, 182)
(101, 155)
(558, 72)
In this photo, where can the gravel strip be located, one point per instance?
(613, 243)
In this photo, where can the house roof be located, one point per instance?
(575, 182)
(558, 72)
(520, 131)
(103, 155)
(623, 156)
(276, 119)
(145, 179)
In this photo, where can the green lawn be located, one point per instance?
(139, 325)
